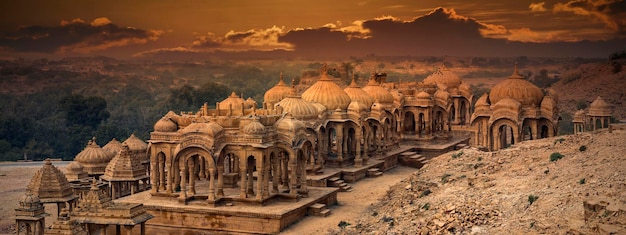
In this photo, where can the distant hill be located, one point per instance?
(581, 83)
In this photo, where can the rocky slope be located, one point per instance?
(518, 190)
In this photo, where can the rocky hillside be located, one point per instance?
(525, 189)
(582, 83)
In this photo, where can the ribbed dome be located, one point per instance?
(30, 202)
(233, 100)
(422, 96)
(548, 103)
(327, 93)
(74, 166)
(445, 77)
(357, 106)
(278, 92)
(254, 128)
(93, 154)
(483, 100)
(135, 144)
(517, 88)
(599, 108)
(209, 128)
(298, 108)
(357, 94)
(124, 167)
(442, 95)
(289, 124)
(49, 182)
(165, 124)
(507, 104)
(380, 94)
(397, 96)
(113, 147)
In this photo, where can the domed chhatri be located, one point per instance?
(444, 76)
(75, 172)
(165, 124)
(356, 93)
(113, 147)
(93, 158)
(297, 107)
(377, 92)
(277, 93)
(254, 127)
(135, 144)
(326, 92)
(517, 88)
(599, 107)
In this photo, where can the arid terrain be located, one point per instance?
(517, 190)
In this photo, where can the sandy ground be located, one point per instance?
(14, 179)
(351, 204)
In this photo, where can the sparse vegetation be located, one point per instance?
(582, 148)
(425, 193)
(532, 198)
(581, 181)
(559, 140)
(426, 206)
(457, 155)
(480, 159)
(444, 178)
(555, 156)
(343, 224)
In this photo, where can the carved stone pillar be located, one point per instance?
(211, 196)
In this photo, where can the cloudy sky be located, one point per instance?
(145, 28)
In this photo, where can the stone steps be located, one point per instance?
(336, 182)
(374, 172)
(319, 209)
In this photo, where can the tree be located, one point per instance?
(89, 111)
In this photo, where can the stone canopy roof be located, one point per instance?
(50, 184)
(599, 108)
(124, 167)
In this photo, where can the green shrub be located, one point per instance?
(559, 140)
(457, 155)
(555, 156)
(425, 193)
(444, 178)
(582, 148)
(343, 224)
(532, 199)
(426, 206)
(480, 159)
(581, 181)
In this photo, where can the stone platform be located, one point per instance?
(197, 217)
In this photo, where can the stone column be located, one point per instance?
(143, 228)
(192, 178)
(266, 177)
(303, 181)
(220, 180)
(292, 177)
(339, 142)
(358, 162)
(285, 170)
(211, 196)
(170, 178)
(183, 184)
(244, 183)
(275, 174)
(154, 174)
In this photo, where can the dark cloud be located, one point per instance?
(611, 13)
(76, 36)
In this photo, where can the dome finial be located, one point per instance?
(516, 72)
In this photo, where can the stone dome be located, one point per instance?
(74, 166)
(326, 92)
(165, 124)
(379, 93)
(50, 183)
(422, 96)
(278, 92)
(517, 88)
(357, 94)
(507, 104)
(297, 107)
(397, 96)
(233, 100)
(113, 147)
(442, 96)
(30, 201)
(599, 108)
(445, 77)
(93, 154)
(135, 144)
(465, 90)
(208, 128)
(254, 128)
(289, 124)
(482, 104)
(358, 107)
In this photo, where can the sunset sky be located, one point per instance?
(142, 28)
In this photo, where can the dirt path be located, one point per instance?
(351, 204)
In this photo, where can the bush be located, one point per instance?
(426, 206)
(444, 178)
(425, 193)
(532, 198)
(555, 156)
(581, 181)
(343, 224)
(582, 148)
(457, 155)
(559, 140)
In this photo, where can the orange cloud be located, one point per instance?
(612, 13)
(537, 7)
(255, 39)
